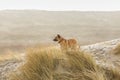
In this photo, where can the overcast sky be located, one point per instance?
(56, 5)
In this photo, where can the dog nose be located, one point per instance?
(54, 40)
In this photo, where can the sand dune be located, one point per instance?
(99, 51)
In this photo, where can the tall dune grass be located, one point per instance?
(10, 55)
(116, 50)
(52, 64)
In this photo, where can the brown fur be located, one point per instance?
(70, 44)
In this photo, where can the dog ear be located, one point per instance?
(58, 35)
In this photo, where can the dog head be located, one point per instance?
(57, 38)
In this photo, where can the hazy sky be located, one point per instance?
(84, 5)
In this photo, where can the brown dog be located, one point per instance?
(70, 44)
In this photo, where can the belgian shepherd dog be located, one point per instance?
(66, 45)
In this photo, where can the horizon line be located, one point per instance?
(63, 10)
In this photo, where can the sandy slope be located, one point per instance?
(100, 51)
(7, 67)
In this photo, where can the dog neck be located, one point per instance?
(61, 40)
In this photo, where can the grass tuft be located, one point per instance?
(116, 50)
(52, 64)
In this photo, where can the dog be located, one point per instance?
(66, 45)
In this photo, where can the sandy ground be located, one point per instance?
(10, 65)
(100, 51)
(7, 67)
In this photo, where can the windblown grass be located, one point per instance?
(116, 50)
(112, 74)
(10, 55)
(52, 64)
